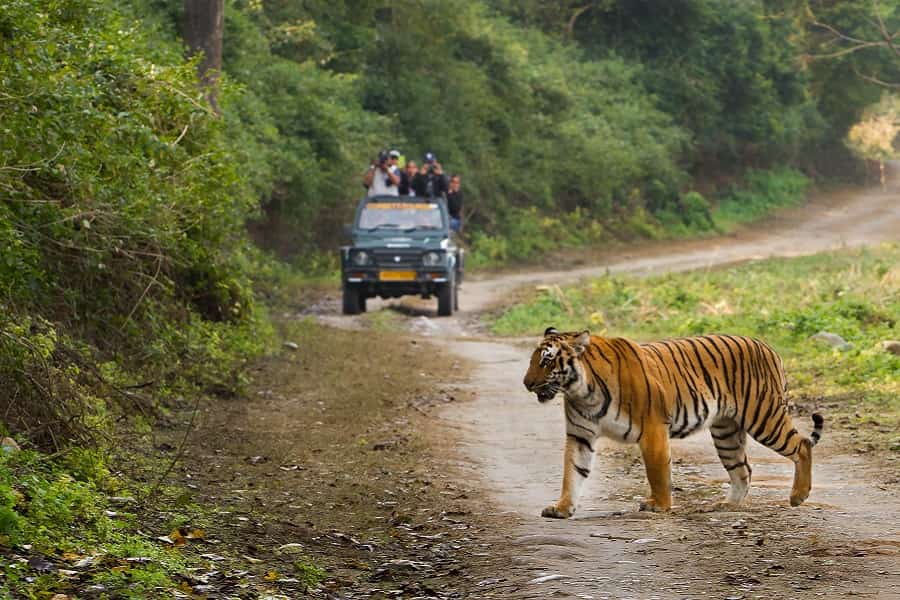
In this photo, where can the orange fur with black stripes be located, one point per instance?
(649, 393)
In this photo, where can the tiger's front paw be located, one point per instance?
(797, 498)
(557, 512)
(652, 505)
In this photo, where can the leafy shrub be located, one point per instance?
(44, 506)
(760, 192)
(695, 211)
(10, 525)
(527, 234)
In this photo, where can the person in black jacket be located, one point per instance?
(455, 203)
(430, 181)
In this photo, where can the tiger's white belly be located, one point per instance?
(616, 430)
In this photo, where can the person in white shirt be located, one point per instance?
(383, 176)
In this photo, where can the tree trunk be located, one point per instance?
(204, 22)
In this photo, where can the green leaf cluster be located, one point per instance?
(60, 509)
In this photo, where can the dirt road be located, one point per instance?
(845, 541)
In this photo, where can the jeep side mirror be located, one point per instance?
(348, 231)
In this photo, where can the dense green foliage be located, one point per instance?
(121, 219)
(855, 294)
(756, 82)
(124, 274)
(726, 68)
(322, 90)
(569, 131)
(760, 193)
(838, 64)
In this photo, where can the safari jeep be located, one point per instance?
(401, 246)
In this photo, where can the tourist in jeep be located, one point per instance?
(406, 178)
(455, 203)
(383, 176)
(430, 181)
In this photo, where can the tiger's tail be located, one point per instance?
(818, 425)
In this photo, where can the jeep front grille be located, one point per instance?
(398, 258)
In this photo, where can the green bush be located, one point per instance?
(760, 193)
(695, 211)
(10, 525)
(44, 505)
(528, 234)
(56, 514)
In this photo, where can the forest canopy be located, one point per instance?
(595, 115)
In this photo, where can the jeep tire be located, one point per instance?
(352, 299)
(445, 295)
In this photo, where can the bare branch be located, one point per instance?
(888, 37)
(178, 455)
(570, 28)
(876, 81)
(846, 51)
(183, 131)
(849, 44)
(840, 35)
(154, 280)
(37, 165)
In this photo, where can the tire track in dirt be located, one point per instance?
(845, 541)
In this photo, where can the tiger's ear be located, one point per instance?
(550, 331)
(582, 342)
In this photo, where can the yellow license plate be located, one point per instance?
(397, 275)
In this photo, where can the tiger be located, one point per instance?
(647, 393)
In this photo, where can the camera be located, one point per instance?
(382, 159)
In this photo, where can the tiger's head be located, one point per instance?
(553, 366)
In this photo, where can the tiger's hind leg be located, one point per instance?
(731, 444)
(779, 434)
(658, 462)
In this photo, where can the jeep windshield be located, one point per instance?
(404, 216)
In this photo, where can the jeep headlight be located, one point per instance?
(360, 258)
(432, 259)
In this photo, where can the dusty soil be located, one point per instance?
(405, 478)
(331, 462)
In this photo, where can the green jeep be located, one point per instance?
(401, 246)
